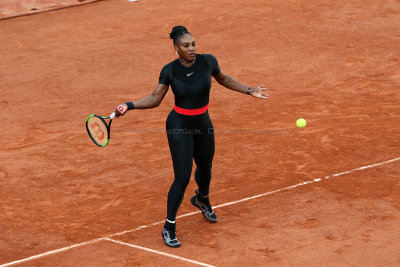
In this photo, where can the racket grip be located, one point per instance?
(112, 116)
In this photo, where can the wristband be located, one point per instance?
(248, 90)
(130, 105)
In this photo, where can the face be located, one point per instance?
(186, 47)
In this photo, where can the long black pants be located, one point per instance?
(189, 137)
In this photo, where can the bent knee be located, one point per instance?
(181, 182)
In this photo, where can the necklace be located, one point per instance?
(187, 64)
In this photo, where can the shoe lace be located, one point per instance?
(171, 233)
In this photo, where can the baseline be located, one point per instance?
(196, 212)
(159, 252)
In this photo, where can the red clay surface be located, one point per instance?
(336, 64)
(18, 8)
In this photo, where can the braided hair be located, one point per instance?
(177, 32)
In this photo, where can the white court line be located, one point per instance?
(195, 212)
(156, 223)
(52, 252)
(305, 183)
(159, 252)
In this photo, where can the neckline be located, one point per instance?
(194, 62)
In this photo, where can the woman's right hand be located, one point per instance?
(120, 110)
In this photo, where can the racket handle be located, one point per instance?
(112, 116)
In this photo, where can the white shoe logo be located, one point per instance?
(202, 206)
(189, 74)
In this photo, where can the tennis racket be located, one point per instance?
(98, 129)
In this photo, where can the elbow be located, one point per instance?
(156, 103)
(223, 80)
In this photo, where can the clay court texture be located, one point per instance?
(324, 195)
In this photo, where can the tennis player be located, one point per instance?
(189, 129)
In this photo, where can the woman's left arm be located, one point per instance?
(234, 85)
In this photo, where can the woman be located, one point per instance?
(189, 128)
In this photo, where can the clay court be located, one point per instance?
(324, 195)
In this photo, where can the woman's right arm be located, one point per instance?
(150, 101)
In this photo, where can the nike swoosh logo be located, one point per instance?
(189, 74)
(202, 206)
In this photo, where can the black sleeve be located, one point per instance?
(164, 76)
(213, 62)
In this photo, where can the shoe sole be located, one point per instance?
(174, 246)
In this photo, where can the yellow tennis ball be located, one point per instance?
(301, 123)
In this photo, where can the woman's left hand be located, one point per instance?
(258, 92)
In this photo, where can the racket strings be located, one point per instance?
(98, 130)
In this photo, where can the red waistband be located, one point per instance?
(191, 112)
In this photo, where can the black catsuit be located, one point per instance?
(189, 136)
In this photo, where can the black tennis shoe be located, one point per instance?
(204, 205)
(169, 236)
